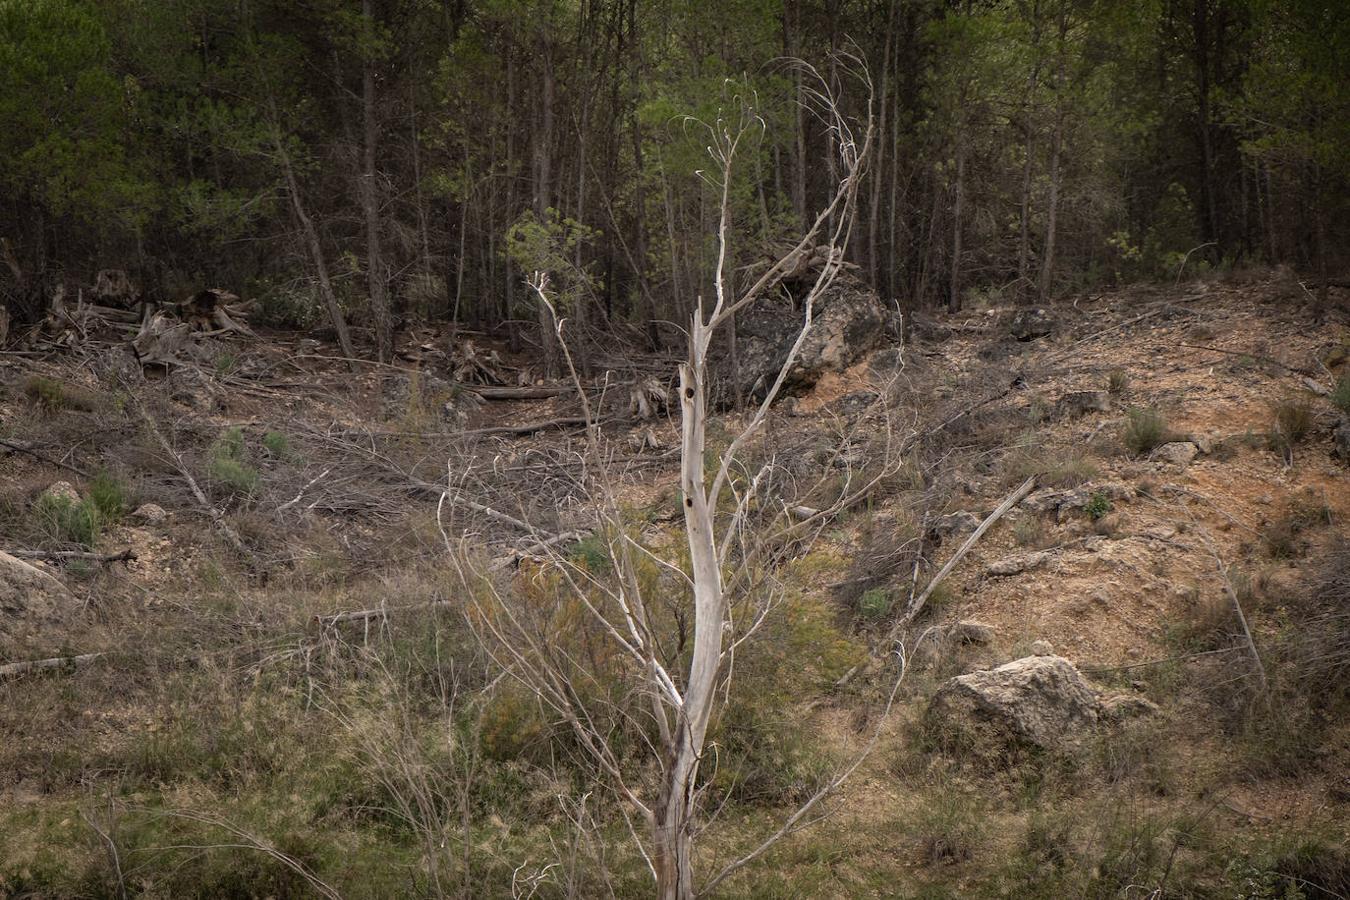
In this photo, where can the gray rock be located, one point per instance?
(847, 323)
(971, 632)
(1341, 438)
(1040, 700)
(1062, 501)
(1022, 562)
(960, 522)
(149, 514)
(1177, 453)
(1030, 323)
(1080, 403)
(1042, 648)
(29, 598)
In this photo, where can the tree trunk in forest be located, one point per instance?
(543, 194)
(377, 283)
(1028, 165)
(1052, 211)
(315, 247)
(874, 199)
(1201, 28)
(954, 298)
(1056, 146)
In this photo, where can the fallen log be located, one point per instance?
(365, 615)
(127, 555)
(916, 605)
(216, 516)
(529, 392)
(15, 669)
(21, 448)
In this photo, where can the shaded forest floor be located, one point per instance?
(231, 740)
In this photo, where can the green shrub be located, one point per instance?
(67, 520)
(228, 466)
(592, 554)
(1340, 395)
(1098, 505)
(1145, 430)
(764, 757)
(1118, 382)
(875, 603)
(277, 444)
(108, 496)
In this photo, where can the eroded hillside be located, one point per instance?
(266, 688)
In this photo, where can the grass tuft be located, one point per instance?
(1145, 430)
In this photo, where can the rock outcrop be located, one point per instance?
(1030, 323)
(847, 322)
(1043, 701)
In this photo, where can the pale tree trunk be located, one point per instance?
(682, 708)
(377, 283)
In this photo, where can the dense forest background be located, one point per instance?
(407, 159)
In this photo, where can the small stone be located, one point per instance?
(960, 522)
(1023, 562)
(1042, 648)
(1177, 453)
(1080, 403)
(1265, 499)
(970, 632)
(1030, 323)
(1341, 439)
(149, 514)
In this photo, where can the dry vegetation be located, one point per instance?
(310, 713)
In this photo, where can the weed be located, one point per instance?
(277, 444)
(55, 396)
(1118, 382)
(1340, 395)
(1061, 470)
(1293, 419)
(108, 496)
(1145, 430)
(949, 829)
(67, 520)
(228, 467)
(875, 603)
(1098, 505)
(1029, 531)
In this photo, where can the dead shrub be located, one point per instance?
(886, 555)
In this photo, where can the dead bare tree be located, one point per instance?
(639, 666)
